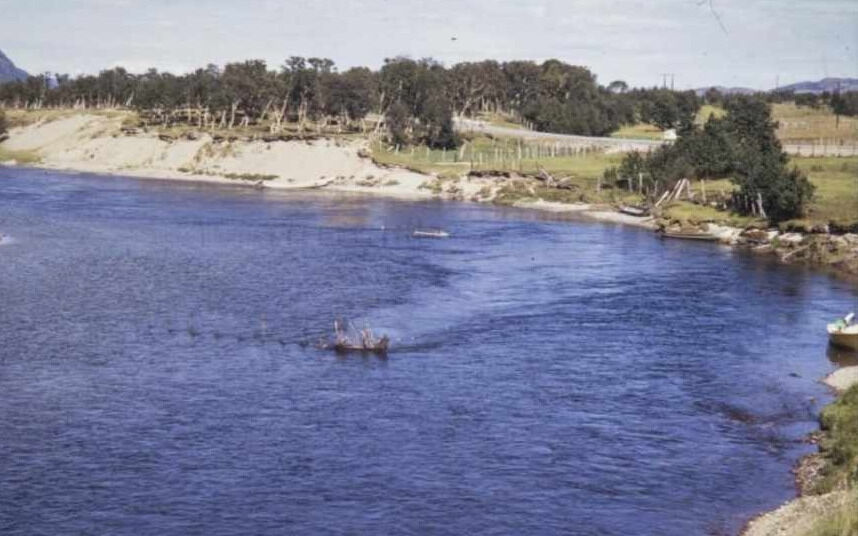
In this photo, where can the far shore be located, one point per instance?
(91, 143)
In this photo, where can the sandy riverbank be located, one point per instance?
(94, 143)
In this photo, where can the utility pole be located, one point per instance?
(664, 80)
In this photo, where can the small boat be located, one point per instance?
(430, 233)
(844, 333)
(692, 235)
(638, 212)
(350, 339)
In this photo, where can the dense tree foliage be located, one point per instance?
(841, 103)
(417, 98)
(669, 109)
(845, 103)
(743, 146)
(417, 103)
(4, 126)
(759, 162)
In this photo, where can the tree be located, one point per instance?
(670, 109)
(567, 100)
(476, 86)
(709, 150)
(760, 164)
(845, 103)
(4, 125)
(418, 107)
(398, 122)
(351, 94)
(436, 121)
(713, 96)
(248, 87)
(618, 86)
(743, 146)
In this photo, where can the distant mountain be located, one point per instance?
(826, 84)
(8, 71)
(726, 90)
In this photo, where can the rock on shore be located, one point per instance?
(842, 379)
(797, 517)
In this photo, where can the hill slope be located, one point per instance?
(8, 71)
(826, 84)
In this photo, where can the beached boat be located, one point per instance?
(692, 235)
(430, 233)
(638, 212)
(844, 333)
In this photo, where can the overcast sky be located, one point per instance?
(732, 42)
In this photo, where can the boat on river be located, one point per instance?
(689, 235)
(638, 212)
(844, 332)
(430, 233)
(347, 339)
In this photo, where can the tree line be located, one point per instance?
(417, 98)
(840, 102)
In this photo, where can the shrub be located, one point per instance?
(4, 125)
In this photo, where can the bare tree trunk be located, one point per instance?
(265, 110)
(234, 108)
(762, 211)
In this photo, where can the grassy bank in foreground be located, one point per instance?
(843, 522)
(839, 449)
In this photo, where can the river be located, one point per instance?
(159, 375)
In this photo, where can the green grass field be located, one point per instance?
(796, 123)
(805, 123)
(639, 131)
(484, 153)
(836, 181)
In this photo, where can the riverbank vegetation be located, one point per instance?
(741, 145)
(839, 446)
(841, 522)
(839, 450)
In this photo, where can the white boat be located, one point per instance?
(844, 333)
(638, 212)
(430, 233)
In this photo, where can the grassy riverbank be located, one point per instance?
(835, 178)
(839, 446)
(839, 450)
(843, 521)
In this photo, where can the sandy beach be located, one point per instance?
(93, 143)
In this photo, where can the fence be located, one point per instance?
(819, 148)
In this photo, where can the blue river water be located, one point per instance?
(159, 374)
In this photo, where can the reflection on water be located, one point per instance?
(159, 373)
(841, 357)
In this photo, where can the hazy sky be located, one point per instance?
(733, 42)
